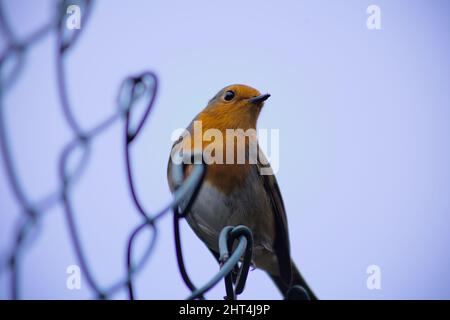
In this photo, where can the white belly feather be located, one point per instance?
(213, 210)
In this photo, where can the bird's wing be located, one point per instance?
(281, 242)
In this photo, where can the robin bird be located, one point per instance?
(237, 193)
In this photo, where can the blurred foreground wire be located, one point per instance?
(133, 89)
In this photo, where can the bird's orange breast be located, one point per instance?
(225, 176)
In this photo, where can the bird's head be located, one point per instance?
(235, 106)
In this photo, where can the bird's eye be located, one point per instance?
(229, 95)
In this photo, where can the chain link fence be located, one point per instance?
(234, 264)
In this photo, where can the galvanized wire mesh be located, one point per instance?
(133, 89)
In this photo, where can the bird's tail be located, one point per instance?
(297, 280)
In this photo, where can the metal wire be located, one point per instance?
(133, 89)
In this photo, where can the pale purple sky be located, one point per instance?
(364, 138)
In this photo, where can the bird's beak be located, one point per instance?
(259, 99)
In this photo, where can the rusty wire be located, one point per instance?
(133, 89)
